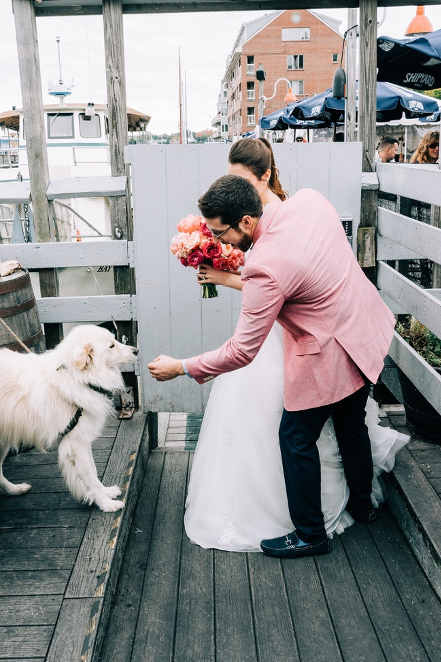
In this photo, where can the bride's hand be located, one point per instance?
(208, 274)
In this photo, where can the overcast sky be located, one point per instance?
(151, 51)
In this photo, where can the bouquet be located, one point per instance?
(194, 245)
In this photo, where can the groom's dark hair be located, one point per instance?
(230, 198)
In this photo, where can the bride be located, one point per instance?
(236, 494)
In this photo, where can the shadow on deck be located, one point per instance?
(367, 601)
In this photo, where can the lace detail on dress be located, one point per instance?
(228, 437)
(334, 442)
(231, 531)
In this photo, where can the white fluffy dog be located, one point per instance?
(61, 399)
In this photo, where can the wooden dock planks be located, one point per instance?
(52, 547)
(367, 601)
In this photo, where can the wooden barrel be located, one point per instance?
(18, 309)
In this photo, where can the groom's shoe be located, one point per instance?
(289, 547)
(366, 516)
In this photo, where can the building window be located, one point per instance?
(250, 116)
(297, 87)
(250, 65)
(296, 34)
(60, 125)
(295, 62)
(335, 58)
(90, 127)
(251, 94)
(224, 111)
(224, 128)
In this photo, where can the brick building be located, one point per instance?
(300, 45)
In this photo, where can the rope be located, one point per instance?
(14, 336)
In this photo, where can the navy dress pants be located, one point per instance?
(298, 433)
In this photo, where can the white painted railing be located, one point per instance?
(403, 238)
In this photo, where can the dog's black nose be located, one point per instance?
(136, 351)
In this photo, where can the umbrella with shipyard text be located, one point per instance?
(392, 102)
(414, 63)
(283, 119)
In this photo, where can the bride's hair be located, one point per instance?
(257, 156)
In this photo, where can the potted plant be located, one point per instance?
(423, 420)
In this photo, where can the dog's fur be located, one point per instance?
(40, 394)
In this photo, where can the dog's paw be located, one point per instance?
(15, 490)
(111, 506)
(112, 492)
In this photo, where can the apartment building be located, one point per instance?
(302, 46)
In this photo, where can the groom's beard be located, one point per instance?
(244, 243)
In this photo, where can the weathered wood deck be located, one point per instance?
(368, 601)
(59, 560)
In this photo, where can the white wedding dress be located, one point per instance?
(236, 494)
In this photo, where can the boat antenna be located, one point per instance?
(59, 61)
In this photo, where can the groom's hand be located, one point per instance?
(164, 368)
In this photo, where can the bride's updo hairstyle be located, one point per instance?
(257, 156)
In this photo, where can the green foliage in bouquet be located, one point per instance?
(423, 341)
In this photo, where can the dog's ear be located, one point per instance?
(83, 357)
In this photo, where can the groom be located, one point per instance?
(337, 330)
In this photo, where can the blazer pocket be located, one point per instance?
(307, 347)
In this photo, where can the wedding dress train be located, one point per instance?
(236, 494)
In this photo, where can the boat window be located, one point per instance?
(60, 125)
(90, 127)
(106, 125)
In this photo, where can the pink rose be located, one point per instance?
(189, 224)
(192, 241)
(184, 261)
(205, 230)
(195, 258)
(226, 249)
(220, 263)
(212, 250)
(177, 243)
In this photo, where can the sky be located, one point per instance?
(151, 53)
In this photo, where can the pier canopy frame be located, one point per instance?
(90, 7)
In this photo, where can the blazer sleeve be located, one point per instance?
(262, 300)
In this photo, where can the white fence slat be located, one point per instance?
(67, 254)
(12, 193)
(425, 378)
(392, 305)
(425, 307)
(86, 309)
(391, 250)
(86, 187)
(420, 237)
(416, 181)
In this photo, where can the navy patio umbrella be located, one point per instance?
(283, 119)
(414, 63)
(392, 102)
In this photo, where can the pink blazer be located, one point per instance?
(303, 273)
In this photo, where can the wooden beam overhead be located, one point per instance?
(89, 7)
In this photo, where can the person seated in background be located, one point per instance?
(299, 139)
(428, 149)
(386, 150)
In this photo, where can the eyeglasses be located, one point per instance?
(218, 235)
(434, 146)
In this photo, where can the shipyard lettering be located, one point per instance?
(423, 79)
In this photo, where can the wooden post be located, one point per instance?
(367, 105)
(351, 76)
(120, 207)
(30, 80)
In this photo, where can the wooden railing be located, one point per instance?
(38, 256)
(403, 238)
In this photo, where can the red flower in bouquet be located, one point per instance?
(212, 250)
(193, 246)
